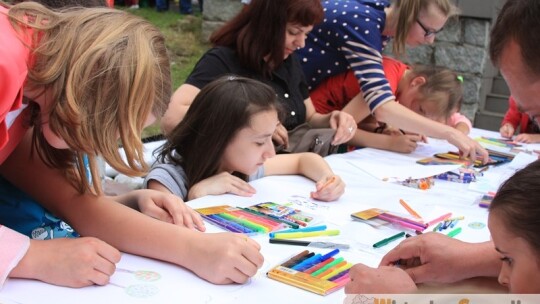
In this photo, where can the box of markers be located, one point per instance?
(318, 273)
(259, 218)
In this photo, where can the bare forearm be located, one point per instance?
(313, 166)
(401, 117)
(364, 138)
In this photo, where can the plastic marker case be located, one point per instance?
(320, 274)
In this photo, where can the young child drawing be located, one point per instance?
(432, 92)
(225, 140)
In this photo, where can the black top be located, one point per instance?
(288, 80)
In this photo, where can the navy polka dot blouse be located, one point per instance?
(350, 37)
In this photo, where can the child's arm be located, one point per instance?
(159, 203)
(397, 143)
(511, 119)
(220, 258)
(507, 130)
(68, 262)
(460, 122)
(528, 138)
(329, 186)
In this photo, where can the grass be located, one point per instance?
(183, 38)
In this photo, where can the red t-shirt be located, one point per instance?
(14, 56)
(335, 92)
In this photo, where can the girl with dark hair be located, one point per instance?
(259, 43)
(225, 140)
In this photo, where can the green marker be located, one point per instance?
(388, 240)
(454, 232)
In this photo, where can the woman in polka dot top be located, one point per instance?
(352, 36)
(260, 43)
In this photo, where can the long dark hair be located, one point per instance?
(259, 30)
(518, 203)
(220, 110)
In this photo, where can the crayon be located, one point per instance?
(388, 240)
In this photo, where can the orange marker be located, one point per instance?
(409, 209)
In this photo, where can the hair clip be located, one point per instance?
(231, 78)
(460, 78)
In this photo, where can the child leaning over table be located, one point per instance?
(225, 140)
(528, 129)
(433, 92)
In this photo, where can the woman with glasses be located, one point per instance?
(353, 35)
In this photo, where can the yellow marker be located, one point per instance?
(298, 235)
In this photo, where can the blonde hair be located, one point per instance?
(408, 11)
(104, 72)
(442, 88)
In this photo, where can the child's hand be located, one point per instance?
(168, 208)
(404, 143)
(224, 258)
(507, 130)
(220, 184)
(76, 262)
(528, 138)
(329, 189)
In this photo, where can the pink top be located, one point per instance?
(457, 118)
(13, 71)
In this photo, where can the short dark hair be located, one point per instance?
(518, 203)
(518, 20)
(220, 110)
(259, 30)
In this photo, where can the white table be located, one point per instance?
(176, 285)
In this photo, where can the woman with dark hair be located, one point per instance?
(259, 43)
(225, 140)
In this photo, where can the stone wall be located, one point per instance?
(215, 13)
(462, 47)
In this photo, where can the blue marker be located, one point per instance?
(307, 229)
(307, 262)
(314, 262)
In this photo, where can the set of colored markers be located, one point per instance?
(320, 274)
(260, 218)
